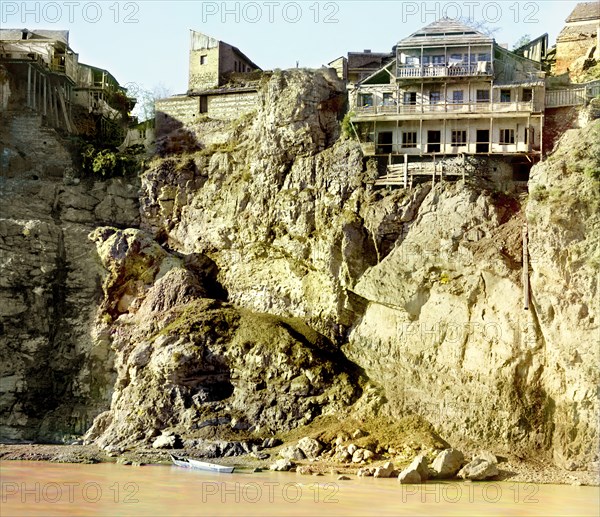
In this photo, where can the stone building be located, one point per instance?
(452, 91)
(222, 85)
(580, 38)
(213, 61)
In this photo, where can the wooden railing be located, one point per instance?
(458, 70)
(448, 107)
(576, 96)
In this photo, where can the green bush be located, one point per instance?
(108, 163)
(347, 130)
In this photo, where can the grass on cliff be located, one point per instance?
(411, 430)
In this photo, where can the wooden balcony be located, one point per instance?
(483, 68)
(448, 107)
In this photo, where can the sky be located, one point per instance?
(147, 41)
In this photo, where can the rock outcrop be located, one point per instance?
(268, 280)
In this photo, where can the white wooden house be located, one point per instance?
(451, 90)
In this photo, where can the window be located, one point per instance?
(438, 60)
(203, 60)
(504, 95)
(235, 66)
(507, 136)
(527, 94)
(434, 97)
(409, 139)
(456, 57)
(485, 56)
(412, 60)
(388, 99)
(457, 97)
(483, 96)
(459, 138)
(365, 100)
(410, 98)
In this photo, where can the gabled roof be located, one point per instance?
(585, 11)
(445, 31)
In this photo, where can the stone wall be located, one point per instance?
(28, 147)
(175, 112)
(204, 76)
(231, 106)
(569, 51)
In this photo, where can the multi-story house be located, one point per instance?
(451, 90)
(42, 75)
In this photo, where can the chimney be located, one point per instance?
(367, 51)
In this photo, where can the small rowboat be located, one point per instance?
(189, 463)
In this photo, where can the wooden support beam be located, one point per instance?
(29, 86)
(525, 269)
(405, 170)
(61, 97)
(45, 96)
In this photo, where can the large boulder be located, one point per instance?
(447, 463)
(478, 469)
(310, 447)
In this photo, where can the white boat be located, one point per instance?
(190, 463)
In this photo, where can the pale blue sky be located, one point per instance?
(152, 49)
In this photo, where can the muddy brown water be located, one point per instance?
(39, 488)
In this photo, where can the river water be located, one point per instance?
(38, 488)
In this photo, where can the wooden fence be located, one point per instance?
(576, 96)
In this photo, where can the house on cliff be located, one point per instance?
(451, 91)
(222, 84)
(40, 74)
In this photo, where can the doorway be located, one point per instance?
(384, 142)
(434, 139)
(483, 141)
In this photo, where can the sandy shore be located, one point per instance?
(510, 469)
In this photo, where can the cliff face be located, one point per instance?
(55, 377)
(266, 270)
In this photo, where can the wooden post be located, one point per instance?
(29, 86)
(34, 89)
(433, 176)
(45, 97)
(463, 167)
(525, 269)
(405, 170)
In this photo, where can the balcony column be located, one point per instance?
(29, 86)
(491, 137)
(34, 89)
(45, 96)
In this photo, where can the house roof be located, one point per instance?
(574, 32)
(17, 34)
(585, 11)
(445, 31)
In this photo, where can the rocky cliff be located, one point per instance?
(268, 283)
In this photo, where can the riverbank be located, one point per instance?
(512, 469)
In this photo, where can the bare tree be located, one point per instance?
(144, 108)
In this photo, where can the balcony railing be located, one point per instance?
(472, 107)
(450, 70)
